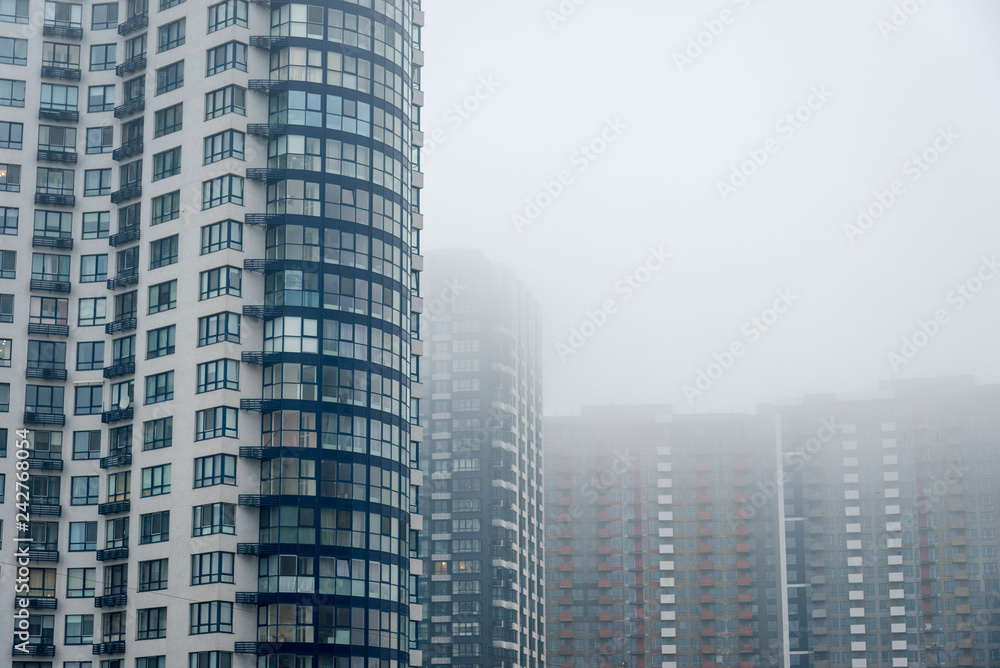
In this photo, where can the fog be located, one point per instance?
(725, 203)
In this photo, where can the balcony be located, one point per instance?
(120, 325)
(117, 647)
(131, 191)
(121, 367)
(257, 549)
(49, 155)
(57, 29)
(264, 219)
(45, 374)
(41, 241)
(112, 554)
(134, 23)
(117, 458)
(262, 266)
(114, 507)
(39, 464)
(267, 130)
(57, 72)
(117, 415)
(126, 236)
(252, 452)
(258, 500)
(256, 598)
(123, 280)
(44, 418)
(40, 603)
(45, 285)
(267, 85)
(55, 199)
(128, 149)
(258, 312)
(267, 42)
(133, 64)
(260, 405)
(50, 556)
(111, 601)
(257, 648)
(260, 358)
(130, 107)
(265, 174)
(39, 649)
(46, 329)
(48, 509)
(65, 115)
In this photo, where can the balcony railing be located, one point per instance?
(125, 236)
(50, 509)
(54, 199)
(49, 556)
(258, 549)
(260, 358)
(131, 191)
(128, 149)
(39, 464)
(58, 72)
(133, 64)
(112, 554)
(112, 461)
(267, 85)
(258, 311)
(260, 405)
(134, 23)
(120, 325)
(130, 107)
(256, 452)
(111, 601)
(258, 500)
(47, 329)
(117, 647)
(117, 415)
(40, 603)
(268, 42)
(113, 507)
(267, 130)
(67, 115)
(32, 417)
(38, 649)
(123, 280)
(262, 266)
(45, 285)
(57, 156)
(125, 367)
(264, 219)
(45, 374)
(41, 241)
(252, 647)
(256, 598)
(265, 174)
(70, 32)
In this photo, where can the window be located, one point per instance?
(163, 296)
(135, 47)
(57, 97)
(160, 342)
(163, 252)
(100, 140)
(218, 422)
(63, 14)
(96, 182)
(212, 567)
(167, 163)
(214, 518)
(13, 51)
(93, 268)
(170, 36)
(218, 375)
(153, 575)
(6, 308)
(10, 178)
(211, 617)
(100, 98)
(54, 181)
(222, 235)
(53, 224)
(119, 486)
(80, 582)
(12, 92)
(134, 89)
(79, 630)
(219, 59)
(170, 77)
(14, 11)
(159, 387)
(167, 4)
(86, 445)
(156, 480)
(89, 355)
(6, 349)
(153, 661)
(43, 399)
(96, 224)
(151, 623)
(103, 57)
(88, 400)
(55, 54)
(158, 433)
(220, 281)
(50, 267)
(228, 13)
(227, 189)
(104, 16)
(4, 397)
(214, 470)
(166, 207)
(212, 659)
(218, 328)
(169, 120)
(227, 144)
(11, 135)
(230, 99)
(82, 536)
(8, 220)
(92, 311)
(155, 527)
(84, 490)
(47, 310)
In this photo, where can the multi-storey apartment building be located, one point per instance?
(209, 328)
(482, 494)
(839, 530)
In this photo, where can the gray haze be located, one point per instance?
(882, 92)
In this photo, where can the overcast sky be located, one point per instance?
(821, 110)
